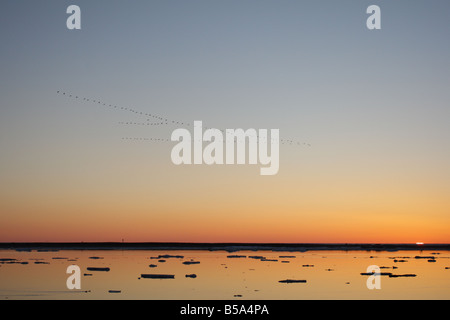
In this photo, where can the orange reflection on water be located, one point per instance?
(328, 275)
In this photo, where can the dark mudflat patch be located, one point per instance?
(389, 274)
(272, 260)
(9, 261)
(376, 273)
(191, 262)
(292, 281)
(98, 269)
(257, 257)
(169, 256)
(158, 276)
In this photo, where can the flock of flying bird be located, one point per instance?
(150, 121)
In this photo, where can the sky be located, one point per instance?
(368, 108)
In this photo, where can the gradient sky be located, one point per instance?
(374, 105)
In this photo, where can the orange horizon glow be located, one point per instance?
(275, 210)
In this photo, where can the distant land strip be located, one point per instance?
(229, 247)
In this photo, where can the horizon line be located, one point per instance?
(224, 243)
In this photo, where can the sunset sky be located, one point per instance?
(374, 106)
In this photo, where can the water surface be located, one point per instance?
(329, 274)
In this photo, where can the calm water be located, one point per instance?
(330, 275)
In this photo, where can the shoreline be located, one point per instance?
(229, 247)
